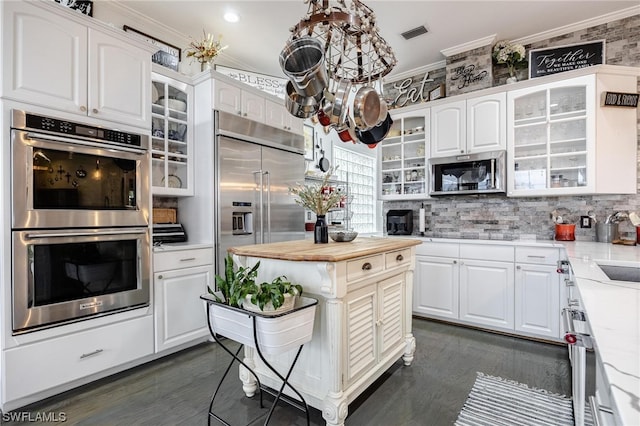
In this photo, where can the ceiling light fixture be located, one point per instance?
(231, 17)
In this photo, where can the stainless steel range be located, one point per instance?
(80, 208)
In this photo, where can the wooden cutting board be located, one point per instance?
(307, 250)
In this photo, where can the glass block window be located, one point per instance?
(359, 171)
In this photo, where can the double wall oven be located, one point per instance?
(79, 219)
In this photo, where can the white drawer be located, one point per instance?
(541, 255)
(49, 363)
(438, 249)
(178, 259)
(397, 258)
(364, 267)
(487, 252)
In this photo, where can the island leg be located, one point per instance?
(249, 383)
(409, 349)
(335, 409)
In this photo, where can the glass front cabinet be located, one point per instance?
(561, 141)
(402, 156)
(171, 136)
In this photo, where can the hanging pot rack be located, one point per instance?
(354, 49)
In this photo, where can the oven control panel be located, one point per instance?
(54, 125)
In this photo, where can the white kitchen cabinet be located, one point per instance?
(180, 277)
(403, 156)
(87, 69)
(231, 98)
(486, 293)
(449, 129)
(436, 288)
(172, 171)
(276, 115)
(487, 123)
(469, 126)
(537, 292)
(562, 142)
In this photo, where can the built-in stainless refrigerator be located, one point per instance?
(255, 166)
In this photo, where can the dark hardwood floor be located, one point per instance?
(175, 390)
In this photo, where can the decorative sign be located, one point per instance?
(83, 6)
(273, 85)
(565, 58)
(466, 75)
(408, 93)
(629, 100)
(167, 55)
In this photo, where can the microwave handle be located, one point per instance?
(493, 173)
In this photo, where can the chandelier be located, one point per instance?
(354, 58)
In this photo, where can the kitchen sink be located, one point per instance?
(621, 273)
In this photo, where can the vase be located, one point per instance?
(205, 66)
(321, 230)
(512, 79)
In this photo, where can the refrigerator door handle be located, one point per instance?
(260, 173)
(268, 205)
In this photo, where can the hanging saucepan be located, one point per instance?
(366, 108)
(376, 133)
(383, 111)
(302, 60)
(347, 133)
(301, 106)
(335, 104)
(323, 163)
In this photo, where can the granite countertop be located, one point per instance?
(306, 250)
(613, 314)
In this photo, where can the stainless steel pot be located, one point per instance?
(301, 106)
(366, 108)
(335, 104)
(302, 60)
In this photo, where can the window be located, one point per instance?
(359, 171)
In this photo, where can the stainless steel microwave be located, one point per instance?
(468, 174)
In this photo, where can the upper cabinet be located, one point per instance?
(561, 141)
(85, 69)
(171, 136)
(235, 99)
(469, 126)
(403, 156)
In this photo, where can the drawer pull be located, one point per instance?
(535, 257)
(187, 259)
(399, 258)
(366, 267)
(96, 352)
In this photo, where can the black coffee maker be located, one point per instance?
(399, 222)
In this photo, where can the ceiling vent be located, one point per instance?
(414, 32)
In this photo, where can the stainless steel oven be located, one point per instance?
(69, 275)
(67, 174)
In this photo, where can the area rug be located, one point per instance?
(494, 401)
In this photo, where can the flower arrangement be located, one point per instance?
(205, 50)
(505, 52)
(317, 197)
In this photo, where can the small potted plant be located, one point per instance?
(512, 54)
(205, 50)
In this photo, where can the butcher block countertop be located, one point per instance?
(307, 250)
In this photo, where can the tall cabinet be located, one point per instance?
(172, 135)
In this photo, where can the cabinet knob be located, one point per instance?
(399, 258)
(455, 262)
(239, 112)
(245, 114)
(462, 151)
(366, 267)
(83, 108)
(95, 111)
(518, 267)
(159, 277)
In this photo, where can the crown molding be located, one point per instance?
(581, 25)
(465, 47)
(416, 71)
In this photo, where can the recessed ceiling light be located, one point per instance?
(231, 17)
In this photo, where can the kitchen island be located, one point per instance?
(363, 319)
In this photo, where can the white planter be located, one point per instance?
(287, 305)
(275, 334)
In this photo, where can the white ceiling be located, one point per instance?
(257, 39)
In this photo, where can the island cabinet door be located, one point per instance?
(390, 321)
(360, 337)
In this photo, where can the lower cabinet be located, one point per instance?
(180, 314)
(500, 287)
(486, 293)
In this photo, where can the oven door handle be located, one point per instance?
(83, 142)
(84, 234)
